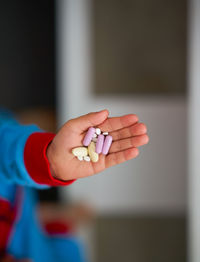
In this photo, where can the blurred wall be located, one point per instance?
(194, 130)
(156, 180)
(141, 204)
(139, 47)
(27, 70)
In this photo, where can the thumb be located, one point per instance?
(82, 123)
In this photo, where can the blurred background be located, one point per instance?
(61, 59)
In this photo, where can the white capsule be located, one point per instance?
(98, 131)
(80, 151)
(86, 158)
(94, 139)
(80, 158)
(95, 135)
(105, 133)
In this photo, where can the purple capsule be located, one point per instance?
(106, 145)
(88, 137)
(99, 144)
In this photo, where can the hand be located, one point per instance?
(127, 135)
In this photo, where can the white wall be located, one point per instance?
(156, 180)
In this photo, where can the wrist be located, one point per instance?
(40, 163)
(50, 158)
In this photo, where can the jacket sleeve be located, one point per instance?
(23, 158)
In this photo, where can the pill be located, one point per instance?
(86, 158)
(105, 133)
(106, 145)
(80, 158)
(94, 139)
(91, 150)
(88, 137)
(98, 131)
(95, 135)
(99, 144)
(80, 151)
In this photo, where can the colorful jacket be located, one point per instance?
(23, 168)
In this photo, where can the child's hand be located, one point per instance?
(127, 135)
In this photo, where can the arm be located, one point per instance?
(127, 133)
(22, 155)
(33, 158)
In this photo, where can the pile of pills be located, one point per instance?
(94, 143)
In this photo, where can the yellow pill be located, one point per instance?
(91, 150)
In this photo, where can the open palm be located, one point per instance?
(127, 133)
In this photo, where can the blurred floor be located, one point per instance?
(141, 239)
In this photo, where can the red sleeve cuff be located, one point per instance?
(58, 227)
(36, 161)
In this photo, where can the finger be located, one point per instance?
(120, 157)
(134, 130)
(82, 123)
(116, 123)
(123, 144)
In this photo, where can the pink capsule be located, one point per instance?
(106, 145)
(88, 137)
(99, 144)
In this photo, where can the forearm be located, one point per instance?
(23, 156)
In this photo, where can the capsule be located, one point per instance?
(88, 137)
(93, 155)
(107, 145)
(99, 144)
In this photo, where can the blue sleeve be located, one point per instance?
(13, 137)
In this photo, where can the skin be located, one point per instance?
(128, 134)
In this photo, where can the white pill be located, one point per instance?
(80, 158)
(86, 158)
(94, 139)
(98, 131)
(95, 135)
(80, 151)
(105, 133)
(91, 150)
